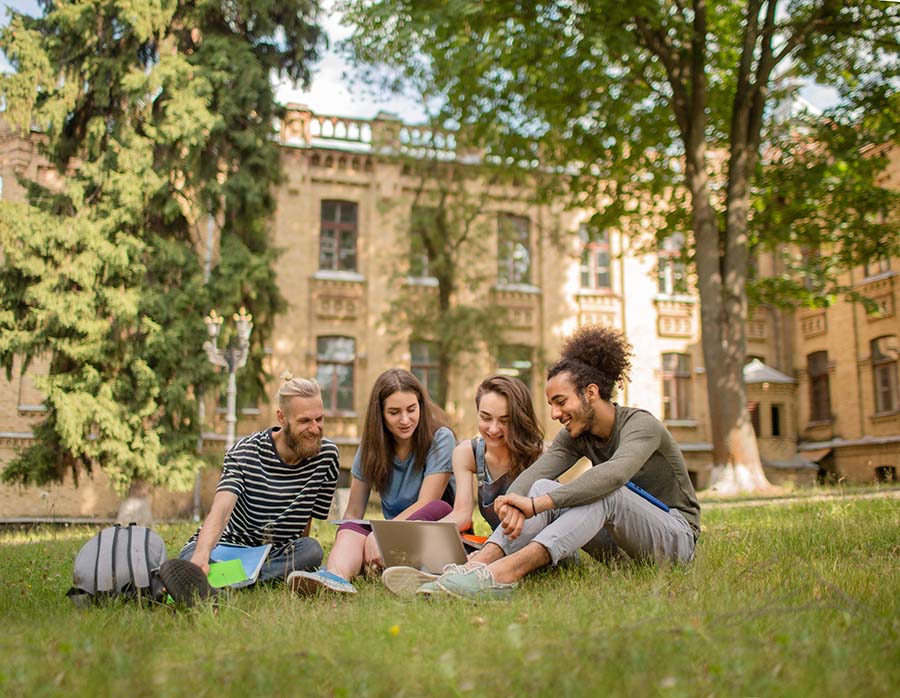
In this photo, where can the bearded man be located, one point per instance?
(273, 483)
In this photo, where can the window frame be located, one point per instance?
(776, 425)
(419, 261)
(672, 272)
(819, 386)
(506, 366)
(331, 398)
(590, 268)
(885, 379)
(338, 230)
(511, 237)
(428, 371)
(677, 384)
(877, 266)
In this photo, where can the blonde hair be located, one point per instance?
(296, 387)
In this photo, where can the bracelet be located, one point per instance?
(533, 508)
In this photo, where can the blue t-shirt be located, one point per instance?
(406, 481)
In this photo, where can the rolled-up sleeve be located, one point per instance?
(440, 455)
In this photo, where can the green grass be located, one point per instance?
(798, 600)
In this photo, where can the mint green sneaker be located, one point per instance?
(476, 584)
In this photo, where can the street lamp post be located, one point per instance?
(233, 357)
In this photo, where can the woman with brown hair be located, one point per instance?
(510, 439)
(405, 455)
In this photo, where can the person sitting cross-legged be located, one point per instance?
(543, 521)
(273, 483)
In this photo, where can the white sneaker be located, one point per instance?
(403, 581)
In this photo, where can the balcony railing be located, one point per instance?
(385, 134)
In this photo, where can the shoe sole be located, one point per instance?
(404, 581)
(456, 595)
(185, 582)
(307, 586)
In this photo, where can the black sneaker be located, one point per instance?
(185, 582)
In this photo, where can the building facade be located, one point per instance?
(822, 385)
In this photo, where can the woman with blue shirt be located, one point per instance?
(405, 454)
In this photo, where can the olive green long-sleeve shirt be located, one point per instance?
(639, 449)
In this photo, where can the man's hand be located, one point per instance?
(513, 509)
(202, 561)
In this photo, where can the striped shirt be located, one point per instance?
(275, 501)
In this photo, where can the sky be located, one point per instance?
(331, 92)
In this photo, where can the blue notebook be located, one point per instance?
(646, 495)
(252, 559)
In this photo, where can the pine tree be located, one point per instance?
(156, 116)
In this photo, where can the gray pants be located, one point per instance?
(620, 523)
(301, 554)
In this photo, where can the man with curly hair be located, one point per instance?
(636, 501)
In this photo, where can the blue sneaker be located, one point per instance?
(476, 584)
(308, 583)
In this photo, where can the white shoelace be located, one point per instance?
(483, 573)
(453, 568)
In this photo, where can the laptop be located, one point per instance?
(424, 545)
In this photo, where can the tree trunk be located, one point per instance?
(136, 507)
(736, 465)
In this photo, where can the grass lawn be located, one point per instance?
(790, 600)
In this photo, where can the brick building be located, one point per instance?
(823, 384)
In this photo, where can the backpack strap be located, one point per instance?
(128, 556)
(97, 560)
(112, 560)
(147, 555)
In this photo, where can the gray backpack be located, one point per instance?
(120, 561)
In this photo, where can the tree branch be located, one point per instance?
(763, 73)
(657, 45)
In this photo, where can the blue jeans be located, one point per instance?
(301, 554)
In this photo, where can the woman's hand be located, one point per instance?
(371, 553)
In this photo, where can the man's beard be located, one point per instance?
(299, 446)
(585, 416)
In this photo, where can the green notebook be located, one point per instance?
(225, 574)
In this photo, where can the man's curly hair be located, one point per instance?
(595, 354)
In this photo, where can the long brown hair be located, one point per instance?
(524, 436)
(377, 445)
